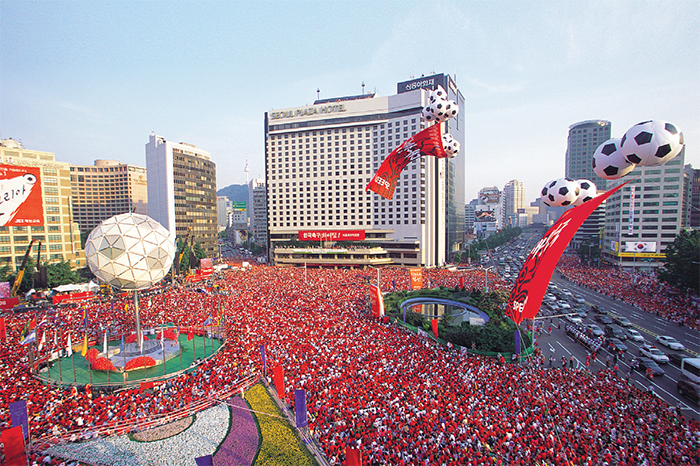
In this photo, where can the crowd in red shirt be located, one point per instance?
(644, 291)
(399, 398)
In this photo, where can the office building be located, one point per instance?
(182, 190)
(320, 157)
(223, 207)
(691, 196)
(645, 216)
(584, 138)
(513, 200)
(258, 212)
(43, 215)
(106, 189)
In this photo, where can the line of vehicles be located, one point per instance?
(612, 330)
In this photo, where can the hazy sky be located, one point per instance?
(92, 80)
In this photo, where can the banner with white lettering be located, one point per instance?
(425, 143)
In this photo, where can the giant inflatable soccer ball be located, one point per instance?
(560, 192)
(129, 251)
(588, 192)
(651, 143)
(608, 161)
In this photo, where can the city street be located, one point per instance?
(559, 344)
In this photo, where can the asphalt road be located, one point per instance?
(559, 344)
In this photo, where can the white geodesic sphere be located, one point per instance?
(129, 251)
(588, 191)
(652, 143)
(560, 192)
(608, 161)
(437, 94)
(428, 115)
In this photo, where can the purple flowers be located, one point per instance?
(241, 444)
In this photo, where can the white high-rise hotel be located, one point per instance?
(320, 157)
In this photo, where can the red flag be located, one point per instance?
(278, 379)
(13, 443)
(190, 335)
(3, 330)
(354, 457)
(435, 328)
(426, 142)
(376, 301)
(416, 278)
(526, 297)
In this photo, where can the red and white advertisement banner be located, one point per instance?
(9, 303)
(332, 235)
(206, 266)
(636, 246)
(376, 301)
(20, 196)
(416, 278)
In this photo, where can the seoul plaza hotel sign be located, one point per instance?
(308, 111)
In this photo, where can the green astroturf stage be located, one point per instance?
(197, 348)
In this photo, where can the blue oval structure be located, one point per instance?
(466, 311)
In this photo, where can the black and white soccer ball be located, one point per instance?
(652, 143)
(588, 191)
(560, 192)
(608, 161)
(451, 109)
(450, 144)
(438, 108)
(437, 94)
(428, 114)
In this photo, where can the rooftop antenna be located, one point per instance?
(318, 93)
(363, 88)
(246, 170)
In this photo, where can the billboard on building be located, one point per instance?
(238, 206)
(489, 196)
(485, 216)
(20, 196)
(637, 246)
(332, 235)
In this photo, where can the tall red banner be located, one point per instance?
(354, 457)
(13, 445)
(376, 301)
(278, 379)
(529, 289)
(424, 143)
(416, 278)
(434, 326)
(20, 196)
(3, 330)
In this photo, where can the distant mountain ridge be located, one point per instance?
(235, 192)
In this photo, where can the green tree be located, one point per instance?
(28, 278)
(61, 274)
(589, 251)
(682, 264)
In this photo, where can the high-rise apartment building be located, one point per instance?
(106, 189)
(513, 200)
(319, 159)
(584, 138)
(182, 190)
(645, 216)
(38, 208)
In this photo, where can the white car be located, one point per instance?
(634, 335)
(670, 342)
(654, 353)
(574, 319)
(565, 305)
(580, 300)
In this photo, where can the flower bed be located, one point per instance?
(91, 355)
(241, 444)
(200, 439)
(163, 432)
(279, 445)
(103, 364)
(139, 362)
(169, 334)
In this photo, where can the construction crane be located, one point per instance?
(20, 272)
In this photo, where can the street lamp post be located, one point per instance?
(486, 287)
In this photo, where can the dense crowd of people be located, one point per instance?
(642, 290)
(401, 399)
